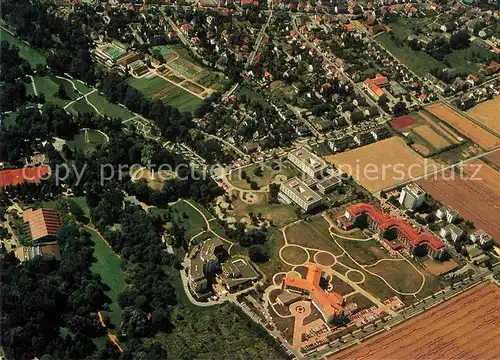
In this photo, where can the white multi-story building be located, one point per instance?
(309, 163)
(452, 231)
(481, 238)
(412, 196)
(447, 213)
(301, 194)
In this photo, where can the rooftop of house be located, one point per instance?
(374, 87)
(42, 222)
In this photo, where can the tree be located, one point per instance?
(258, 254)
(254, 185)
(61, 92)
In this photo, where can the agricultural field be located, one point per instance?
(382, 164)
(476, 195)
(463, 125)
(442, 332)
(494, 158)
(173, 95)
(487, 114)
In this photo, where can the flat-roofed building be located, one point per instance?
(211, 248)
(447, 213)
(452, 232)
(308, 162)
(481, 238)
(301, 194)
(196, 276)
(25, 253)
(328, 183)
(237, 273)
(412, 196)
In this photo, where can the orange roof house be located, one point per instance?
(373, 88)
(43, 224)
(328, 303)
(19, 176)
(380, 80)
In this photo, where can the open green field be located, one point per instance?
(159, 88)
(87, 139)
(364, 252)
(80, 107)
(48, 85)
(399, 274)
(463, 60)
(418, 61)
(25, 51)
(107, 108)
(313, 234)
(108, 265)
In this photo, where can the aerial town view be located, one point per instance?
(250, 179)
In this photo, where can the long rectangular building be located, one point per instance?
(301, 194)
(308, 162)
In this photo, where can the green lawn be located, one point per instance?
(48, 86)
(34, 57)
(81, 106)
(108, 266)
(84, 141)
(107, 108)
(463, 60)
(418, 61)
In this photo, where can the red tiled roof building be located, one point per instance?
(42, 224)
(328, 303)
(381, 222)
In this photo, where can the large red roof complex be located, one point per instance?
(330, 303)
(19, 176)
(386, 222)
(43, 223)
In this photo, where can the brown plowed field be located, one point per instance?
(382, 164)
(465, 327)
(487, 113)
(476, 196)
(432, 137)
(474, 132)
(494, 158)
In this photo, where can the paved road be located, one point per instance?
(262, 32)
